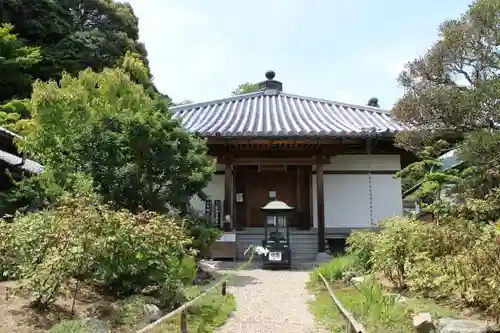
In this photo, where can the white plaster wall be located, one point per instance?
(347, 199)
(363, 162)
(214, 190)
(387, 197)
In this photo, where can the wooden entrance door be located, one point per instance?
(260, 183)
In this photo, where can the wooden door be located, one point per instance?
(260, 184)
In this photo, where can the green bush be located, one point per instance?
(361, 245)
(202, 233)
(451, 258)
(115, 249)
(394, 249)
(8, 263)
(333, 270)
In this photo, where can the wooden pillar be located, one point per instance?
(320, 202)
(228, 191)
(298, 188)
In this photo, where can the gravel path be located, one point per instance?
(270, 302)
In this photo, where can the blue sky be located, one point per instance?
(346, 51)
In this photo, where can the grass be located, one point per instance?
(333, 269)
(369, 303)
(204, 317)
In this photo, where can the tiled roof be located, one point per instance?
(14, 160)
(9, 133)
(278, 114)
(28, 165)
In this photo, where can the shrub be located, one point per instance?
(8, 264)
(474, 272)
(361, 245)
(393, 250)
(333, 269)
(203, 234)
(137, 251)
(453, 258)
(81, 238)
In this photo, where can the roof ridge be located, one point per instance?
(261, 93)
(218, 101)
(350, 105)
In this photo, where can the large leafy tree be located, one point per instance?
(453, 92)
(108, 127)
(73, 35)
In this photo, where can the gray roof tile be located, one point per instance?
(278, 114)
(29, 165)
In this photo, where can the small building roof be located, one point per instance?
(272, 113)
(14, 160)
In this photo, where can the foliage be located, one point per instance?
(73, 326)
(203, 233)
(15, 116)
(127, 315)
(42, 39)
(8, 263)
(455, 84)
(245, 88)
(372, 306)
(74, 35)
(206, 315)
(108, 127)
(361, 245)
(15, 61)
(455, 258)
(452, 93)
(333, 269)
(373, 102)
(81, 238)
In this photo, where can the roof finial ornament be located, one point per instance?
(270, 86)
(270, 74)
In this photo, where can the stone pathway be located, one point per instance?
(271, 302)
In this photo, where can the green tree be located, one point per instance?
(373, 102)
(73, 35)
(245, 88)
(453, 92)
(16, 59)
(106, 126)
(428, 174)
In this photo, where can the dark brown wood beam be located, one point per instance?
(320, 202)
(228, 190)
(273, 161)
